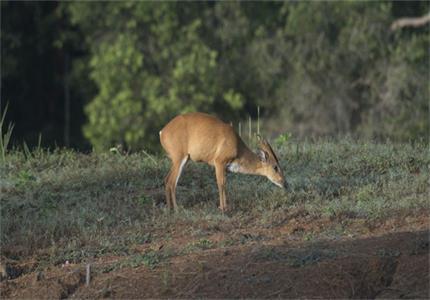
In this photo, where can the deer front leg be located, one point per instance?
(221, 181)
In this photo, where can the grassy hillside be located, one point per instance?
(64, 205)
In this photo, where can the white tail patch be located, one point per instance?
(160, 132)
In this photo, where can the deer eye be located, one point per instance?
(276, 169)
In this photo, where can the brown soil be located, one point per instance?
(385, 262)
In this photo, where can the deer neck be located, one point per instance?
(247, 162)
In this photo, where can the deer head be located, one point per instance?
(270, 164)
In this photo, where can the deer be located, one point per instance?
(202, 137)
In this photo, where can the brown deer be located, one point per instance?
(204, 138)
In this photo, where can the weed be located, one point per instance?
(282, 139)
(23, 178)
(309, 236)
(144, 200)
(201, 244)
(150, 259)
(5, 134)
(227, 243)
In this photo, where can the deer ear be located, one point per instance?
(263, 155)
(265, 146)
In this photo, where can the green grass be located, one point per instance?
(201, 244)
(75, 206)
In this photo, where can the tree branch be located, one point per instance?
(410, 22)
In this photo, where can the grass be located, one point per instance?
(63, 205)
(5, 134)
(201, 244)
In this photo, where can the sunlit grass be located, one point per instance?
(76, 205)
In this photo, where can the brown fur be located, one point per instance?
(201, 137)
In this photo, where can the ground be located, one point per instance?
(389, 260)
(354, 224)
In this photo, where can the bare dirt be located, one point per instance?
(387, 261)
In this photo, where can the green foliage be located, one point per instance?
(23, 179)
(282, 139)
(201, 244)
(347, 74)
(400, 93)
(315, 69)
(150, 259)
(321, 69)
(149, 65)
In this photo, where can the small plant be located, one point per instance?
(26, 150)
(144, 200)
(4, 135)
(202, 244)
(23, 178)
(282, 139)
(116, 150)
(309, 236)
(149, 259)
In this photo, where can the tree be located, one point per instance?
(317, 69)
(349, 74)
(149, 64)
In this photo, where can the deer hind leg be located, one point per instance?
(221, 181)
(172, 181)
(168, 190)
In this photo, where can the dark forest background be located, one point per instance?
(92, 75)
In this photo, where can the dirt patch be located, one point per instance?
(388, 266)
(51, 284)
